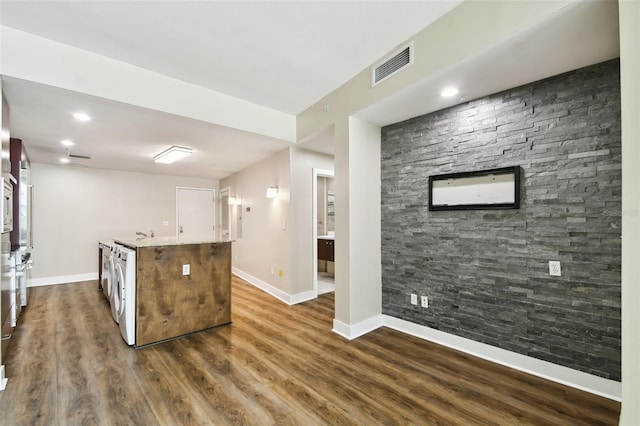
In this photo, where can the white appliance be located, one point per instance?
(16, 307)
(126, 293)
(22, 233)
(7, 206)
(106, 269)
(7, 268)
(23, 274)
(112, 287)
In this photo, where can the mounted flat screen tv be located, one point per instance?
(479, 190)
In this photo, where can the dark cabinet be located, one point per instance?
(325, 250)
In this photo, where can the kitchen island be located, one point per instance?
(183, 285)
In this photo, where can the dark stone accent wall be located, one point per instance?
(486, 271)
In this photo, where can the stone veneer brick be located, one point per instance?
(486, 271)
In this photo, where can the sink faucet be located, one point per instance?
(145, 235)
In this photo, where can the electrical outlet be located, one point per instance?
(414, 299)
(186, 269)
(424, 301)
(554, 268)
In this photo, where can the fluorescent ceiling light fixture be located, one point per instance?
(272, 192)
(81, 116)
(447, 92)
(67, 142)
(64, 160)
(172, 154)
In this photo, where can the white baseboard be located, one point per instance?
(577, 379)
(301, 297)
(289, 299)
(63, 279)
(356, 330)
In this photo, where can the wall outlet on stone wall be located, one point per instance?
(414, 299)
(554, 268)
(425, 302)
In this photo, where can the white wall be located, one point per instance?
(74, 208)
(277, 233)
(302, 164)
(358, 237)
(630, 88)
(264, 244)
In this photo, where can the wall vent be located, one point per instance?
(391, 65)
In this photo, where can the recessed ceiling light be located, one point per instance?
(67, 142)
(64, 160)
(81, 116)
(172, 154)
(447, 92)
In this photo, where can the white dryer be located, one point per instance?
(126, 293)
(106, 276)
(113, 285)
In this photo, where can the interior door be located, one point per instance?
(195, 213)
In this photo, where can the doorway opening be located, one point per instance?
(225, 213)
(323, 231)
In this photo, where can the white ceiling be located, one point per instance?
(126, 137)
(283, 55)
(583, 34)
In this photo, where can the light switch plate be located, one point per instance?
(186, 269)
(414, 299)
(554, 268)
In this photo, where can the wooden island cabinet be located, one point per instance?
(182, 286)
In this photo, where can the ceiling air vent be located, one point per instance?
(79, 156)
(391, 65)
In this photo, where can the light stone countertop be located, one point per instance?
(166, 241)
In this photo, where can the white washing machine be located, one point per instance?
(126, 293)
(113, 285)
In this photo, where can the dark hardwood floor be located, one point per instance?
(276, 364)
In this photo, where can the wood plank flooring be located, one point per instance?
(275, 365)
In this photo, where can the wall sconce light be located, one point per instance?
(272, 192)
(172, 154)
(232, 200)
(238, 201)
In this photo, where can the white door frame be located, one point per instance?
(314, 229)
(226, 189)
(213, 194)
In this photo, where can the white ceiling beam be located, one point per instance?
(29, 57)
